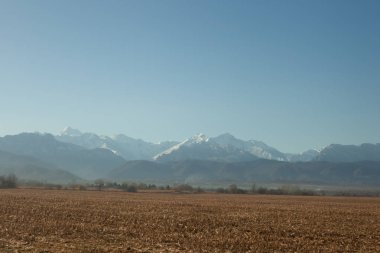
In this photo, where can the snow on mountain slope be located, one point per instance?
(308, 155)
(127, 147)
(262, 150)
(68, 131)
(257, 148)
(86, 140)
(196, 139)
(201, 147)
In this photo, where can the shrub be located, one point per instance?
(128, 187)
(253, 188)
(220, 190)
(152, 186)
(9, 181)
(142, 186)
(131, 188)
(262, 190)
(184, 188)
(235, 190)
(199, 190)
(99, 183)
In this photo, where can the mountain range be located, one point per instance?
(73, 156)
(224, 146)
(122, 145)
(82, 162)
(350, 153)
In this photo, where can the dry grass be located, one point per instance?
(84, 221)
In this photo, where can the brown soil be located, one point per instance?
(87, 221)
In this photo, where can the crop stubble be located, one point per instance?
(86, 221)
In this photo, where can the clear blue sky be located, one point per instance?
(294, 74)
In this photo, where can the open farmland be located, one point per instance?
(88, 221)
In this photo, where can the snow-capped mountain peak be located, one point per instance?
(199, 138)
(228, 139)
(201, 147)
(122, 138)
(257, 148)
(68, 131)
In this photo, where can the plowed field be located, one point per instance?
(89, 221)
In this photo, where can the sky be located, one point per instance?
(294, 74)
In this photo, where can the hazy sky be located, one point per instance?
(294, 74)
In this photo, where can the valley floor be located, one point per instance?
(89, 221)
